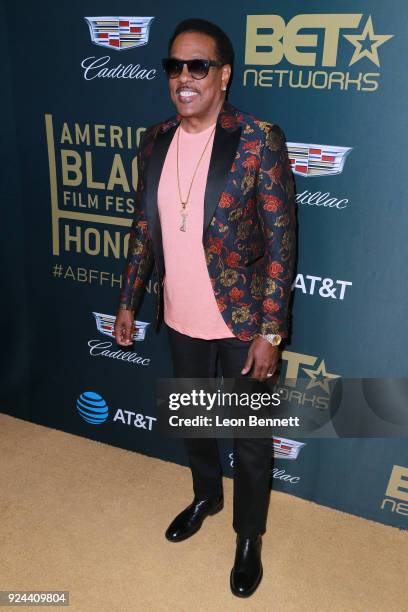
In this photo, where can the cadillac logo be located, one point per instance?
(316, 160)
(119, 33)
(105, 324)
(283, 448)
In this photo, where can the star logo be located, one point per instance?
(367, 43)
(320, 377)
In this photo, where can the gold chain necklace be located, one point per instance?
(183, 226)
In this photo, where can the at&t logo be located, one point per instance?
(93, 409)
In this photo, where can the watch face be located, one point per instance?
(277, 339)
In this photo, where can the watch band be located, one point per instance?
(274, 339)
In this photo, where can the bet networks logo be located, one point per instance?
(118, 34)
(334, 43)
(298, 365)
(306, 383)
(396, 494)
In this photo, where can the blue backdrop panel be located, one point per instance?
(80, 91)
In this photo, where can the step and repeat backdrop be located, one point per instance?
(82, 82)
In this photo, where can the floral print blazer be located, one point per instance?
(249, 232)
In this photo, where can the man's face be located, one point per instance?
(201, 96)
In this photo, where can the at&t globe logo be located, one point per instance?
(92, 407)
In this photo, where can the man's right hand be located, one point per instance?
(124, 327)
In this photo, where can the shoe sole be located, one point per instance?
(249, 593)
(191, 533)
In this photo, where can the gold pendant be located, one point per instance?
(183, 227)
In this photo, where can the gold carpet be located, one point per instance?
(89, 518)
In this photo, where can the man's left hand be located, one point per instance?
(262, 357)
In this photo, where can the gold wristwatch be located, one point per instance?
(274, 339)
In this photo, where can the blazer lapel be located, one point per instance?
(226, 140)
(222, 157)
(154, 169)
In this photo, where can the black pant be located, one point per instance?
(196, 358)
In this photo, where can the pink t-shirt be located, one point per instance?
(189, 302)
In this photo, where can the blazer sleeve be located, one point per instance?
(140, 257)
(277, 213)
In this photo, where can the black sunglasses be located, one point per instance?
(198, 68)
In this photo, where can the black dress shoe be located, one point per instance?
(247, 571)
(191, 518)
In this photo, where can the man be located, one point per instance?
(215, 215)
